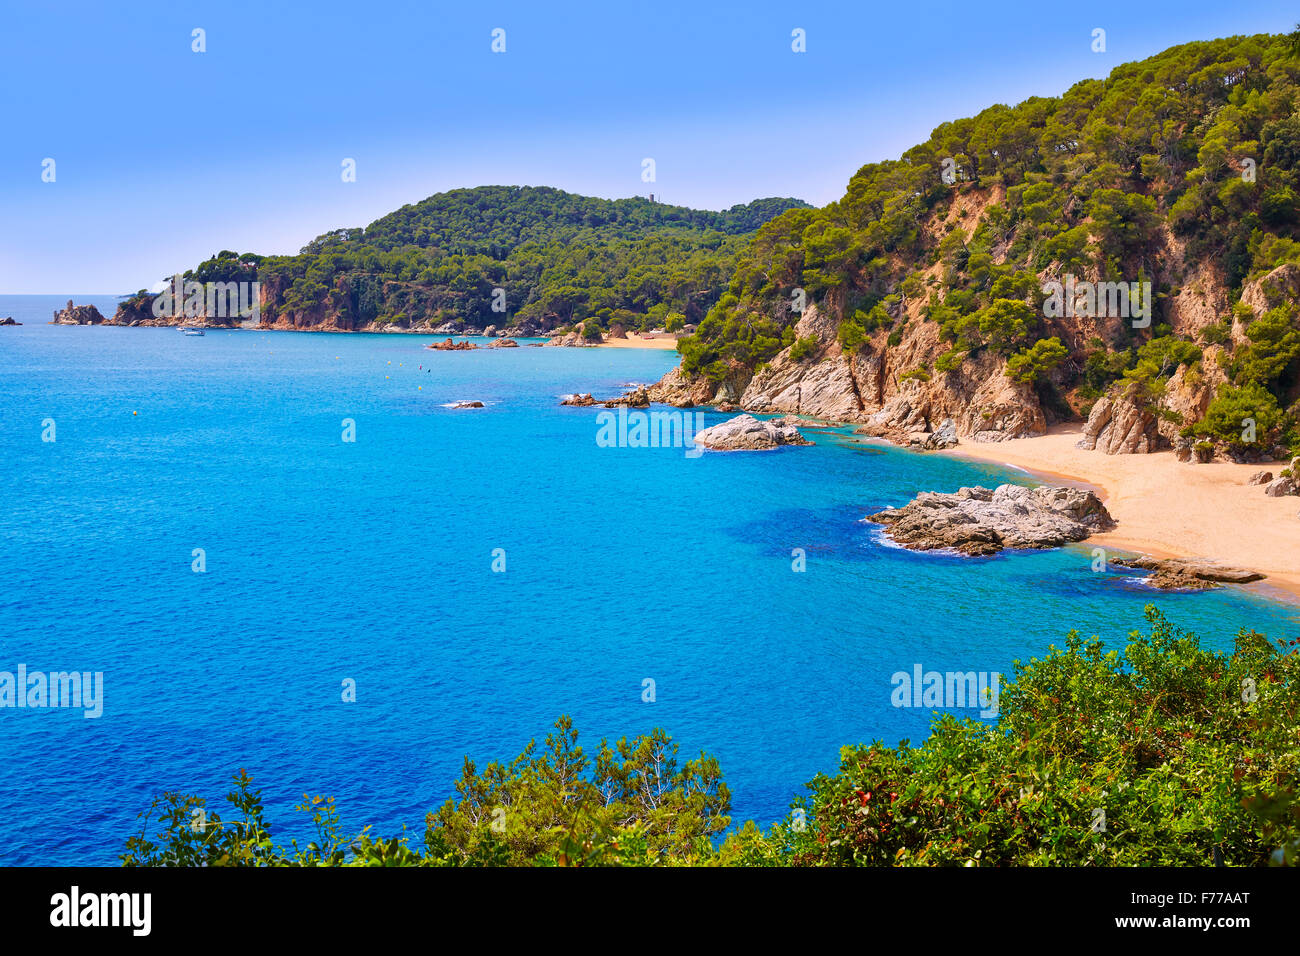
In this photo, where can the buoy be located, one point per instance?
(419, 388)
(135, 413)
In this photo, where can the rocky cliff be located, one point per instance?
(77, 315)
(870, 386)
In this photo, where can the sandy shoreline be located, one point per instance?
(1168, 508)
(667, 343)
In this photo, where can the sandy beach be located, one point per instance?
(634, 341)
(1168, 508)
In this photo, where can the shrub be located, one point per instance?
(1033, 364)
(950, 361)
(803, 348)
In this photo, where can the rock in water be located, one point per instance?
(77, 315)
(467, 405)
(747, 433)
(980, 521)
(451, 345)
(637, 398)
(1183, 574)
(504, 344)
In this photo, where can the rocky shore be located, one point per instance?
(983, 521)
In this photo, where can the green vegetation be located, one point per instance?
(1163, 753)
(1244, 418)
(560, 258)
(803, 348)
(1035, 363)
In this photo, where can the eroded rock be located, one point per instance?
(982, 521)
(1281, 487)
(451, 345)
(1187, 574)
(1117, 426)
(747, 433)
(77, 315)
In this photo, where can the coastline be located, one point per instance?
(1166, 508)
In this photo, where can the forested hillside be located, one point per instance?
(1179, 170)
(558, 256)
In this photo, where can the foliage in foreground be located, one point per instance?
(1163, 754)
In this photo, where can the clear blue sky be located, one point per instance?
(165, 156)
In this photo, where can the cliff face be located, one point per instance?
(868, 386)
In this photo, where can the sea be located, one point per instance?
(285, 553)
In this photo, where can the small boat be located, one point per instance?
(190, 330)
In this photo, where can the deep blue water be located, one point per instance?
(373, 561)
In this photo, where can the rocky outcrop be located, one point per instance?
(451, 345)
(637, 398)
(1281, 487)
(747, 433)
(1117, 426)
(77, 315)
(823, 383)
(570, 340)
(466, 404)
(983, 521)
(504, 344)
(9, 320)
(1273, 288)
(944, 437)
(877, 386)
(1184, 574)
(680, 391)
(1260, 478)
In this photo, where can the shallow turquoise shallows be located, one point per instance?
(372, 561)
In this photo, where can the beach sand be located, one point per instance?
(633, 341)
(1167, 508)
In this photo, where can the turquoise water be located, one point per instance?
(372, 561)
